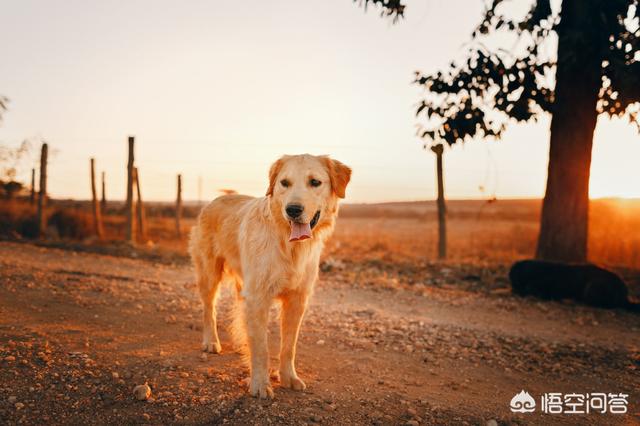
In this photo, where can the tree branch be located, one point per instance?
(388, 8)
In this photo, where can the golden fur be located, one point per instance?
(246, 239)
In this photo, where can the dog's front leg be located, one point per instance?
(293, 307)
(256, 314)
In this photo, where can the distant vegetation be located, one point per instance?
(496, 232)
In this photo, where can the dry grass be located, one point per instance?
(502, 231)
(497, 232)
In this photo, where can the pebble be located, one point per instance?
(142, 392)
(12, 399)
(320, 342)
(19, 405)
(203, 357)
(10, 358)
(492, 422)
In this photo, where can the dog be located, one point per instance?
(586, 283)
(270, 247)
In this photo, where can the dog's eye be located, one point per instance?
(315, 183)
(285, 183)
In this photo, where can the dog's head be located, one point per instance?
(304, 191)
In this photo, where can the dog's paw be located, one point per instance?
(261, 390)
(292, 382)
(212, 347)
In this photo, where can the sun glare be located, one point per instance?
(615, 171)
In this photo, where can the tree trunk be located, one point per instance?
(565, 210)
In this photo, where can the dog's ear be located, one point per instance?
(273, 175)
(339, 174)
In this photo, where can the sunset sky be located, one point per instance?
(219, 90)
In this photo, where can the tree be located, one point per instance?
(388, 8)
(574, 64)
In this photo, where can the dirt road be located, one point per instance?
(78, 331)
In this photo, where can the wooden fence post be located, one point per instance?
(42, 195)
(442, 225)
(103, 200)
(32, 198)
(179, 207)
(97, 217)
(139, 207)
(129, 205)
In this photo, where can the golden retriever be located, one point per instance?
(270, 247)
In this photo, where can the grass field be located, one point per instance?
(478, 231)
(501, 231)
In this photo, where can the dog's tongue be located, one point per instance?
(299, 231)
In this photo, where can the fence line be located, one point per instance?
(179, 207)
(129, 205)
(142, 229)
(138, 220)
(42, 196)
(97, 216)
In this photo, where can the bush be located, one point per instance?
(73, 224)
(17, 219)
(28, 226)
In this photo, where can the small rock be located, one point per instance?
(12, 399)
(492, 422)
(184, 374)
(203, 357)
(146, 416)
(115, 375)
(10, 358)
(320, 342)
(142, 392)
(19, 405)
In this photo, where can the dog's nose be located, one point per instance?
(294, 210)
